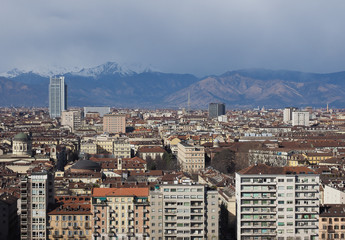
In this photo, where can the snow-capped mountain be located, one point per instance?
(109, 68)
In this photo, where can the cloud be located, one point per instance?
(200, 37)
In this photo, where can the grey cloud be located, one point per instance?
(200, 37)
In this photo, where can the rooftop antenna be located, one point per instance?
(327, 107)
(188, 103)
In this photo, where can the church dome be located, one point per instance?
(21, 137)
(86, 165)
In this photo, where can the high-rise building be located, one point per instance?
(113, 123)
(287, 114)
(57, 96)
(300, 119)
(184, 211)
(216, 109)
(277, 203)
(36, 196)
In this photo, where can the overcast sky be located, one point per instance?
(185, 36)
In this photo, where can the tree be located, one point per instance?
(224, 161)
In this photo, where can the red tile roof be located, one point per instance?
(137, 192)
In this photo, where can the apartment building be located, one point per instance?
(183, 211)
(277, 203)
(120, 213)
(332, 222)
(71, 118)
(300, 119)
(36, 195)
(114, 123)
(191, 158)
(121, 149)
(71, 219)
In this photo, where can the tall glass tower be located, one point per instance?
(216, 109)
(57, 96)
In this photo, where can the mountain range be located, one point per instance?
(110, 84)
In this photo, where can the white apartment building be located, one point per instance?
(183, 211)
(277, 203)
(300, 119)
(191, 158)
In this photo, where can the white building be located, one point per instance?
(300, 119)
(184, 211)
(333, 196)
(191, 158)
(287, 114)
(71, 118)
(277, 203)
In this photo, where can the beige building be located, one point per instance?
(114, 123)
(71, 118)
(184, 211)
(120, 213)
(332, 222)
(72, 219)
(191, 158)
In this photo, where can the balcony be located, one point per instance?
(95, 211)
(75, 227)
(130, 219)
(95, 234)
(96, 218)
(130, 234)
(145, 218)
(111, 234)
(130, 211)
(96, 227)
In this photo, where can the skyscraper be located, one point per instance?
(57, 96)
(216, 109)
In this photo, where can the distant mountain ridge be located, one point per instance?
(112, 84)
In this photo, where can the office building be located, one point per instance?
(216, 109)
(184, 211)
(113, 123)
(300, 119)
(277, 203)
(57, 96)
(36, 195)
(120, 213)
(191, 158)
(101, 110)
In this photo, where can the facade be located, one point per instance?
(72, 219)
(277, 203)
(216, 109)
(121, 149)
(300, 119)
(332, 195)
(183, 211)
(332, 222)
(57, 96)
(36, 195)
(114, 123)
(71, 118)
(120, 213)
(190, 158)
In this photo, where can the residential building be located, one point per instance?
(36, 195)
(332, 222)
(216, 109)
(184, 211)
(191, 158)
(121, 148)
(332, 195)
(71, 219)
(8, 217)
(71, 118)
(57, 96)
(300, 119)
(277, 203)
(113, 123)
(151, 151)
(287, 114)
(120, 212)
